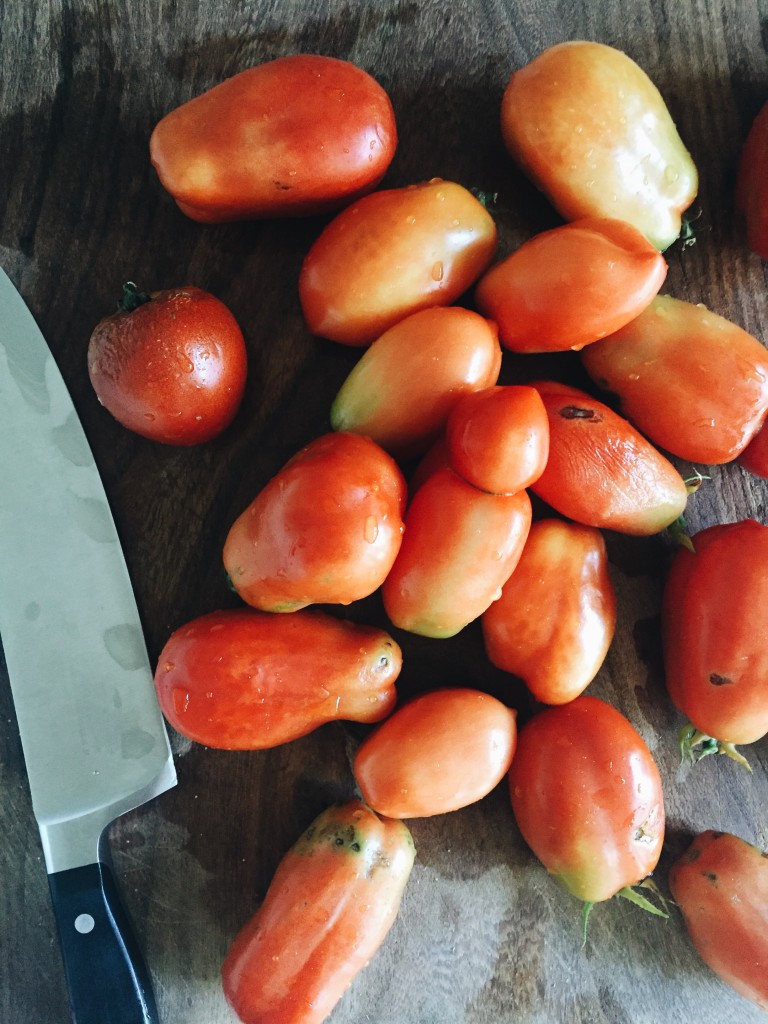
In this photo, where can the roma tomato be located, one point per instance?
(325, 529)
(720, 885)
(587, 797)
(752, 184)
(441, 751)
(498, 438)
(241, 679)
(754, 457)
(556, 616)
(403, 387)
(169, 365)
(565, 288)
(693, 382)
(299, 135)
(601, 471)
(715, 644)
(329, 907)
(460, 545)
(592, 131)
(391, 254)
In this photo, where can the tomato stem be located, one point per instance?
(586, 910)
(630, 893)
(678, 531)
(695, 744)
(132, 298)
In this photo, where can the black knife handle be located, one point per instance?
(106, 975)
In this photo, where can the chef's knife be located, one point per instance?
(94, 741)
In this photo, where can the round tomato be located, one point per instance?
(752, 184)
(325, 529)
(392, 253)
(170, 365)
(441, 751)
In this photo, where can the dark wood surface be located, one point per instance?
(484, 936)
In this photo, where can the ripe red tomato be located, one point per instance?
(441, 751)
(329, 907)
(594, 134)
(565, 288)
(556, 616)
(246, 680)
(325, 529)
(460, 545)
(754, 457)
(720, 885)
(295, 136)
(170, 365)
(587, 797)
(392, 253)
(752, 184)
(601, 471)
(498, 438)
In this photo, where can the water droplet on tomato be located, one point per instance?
(180, 698)
(371, 529)
(437, 271)
(671, 175)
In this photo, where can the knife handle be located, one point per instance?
(106, 975)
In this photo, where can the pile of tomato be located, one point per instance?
(410, 276)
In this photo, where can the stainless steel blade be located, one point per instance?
(94, 739)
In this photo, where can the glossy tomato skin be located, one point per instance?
(391, 254)
(173, 368)
(460, 545)
(498, 438)
(441, 751)
(715, 646)
(325, 529)
(587, 797)
(600, 471)
(299, 135)
(592, 131)
(754, 458)
(568, 287)
(720, 885)
(556, 616)
(752, 184)
(240, 679)
(329, 907)
(693, 382)
(403, 387)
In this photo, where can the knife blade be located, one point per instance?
(94, 740)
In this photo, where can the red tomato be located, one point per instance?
(403, 387)
(460, 545)
(246, 680)
(170, 365)
(556, 616)
(441, 751)
(325, 529)
(329, 907)
(391, 254)
(565, 288)
(693, 382)
(299, 135)
(715, 645)
(752, 184)
(754, 457)
(498, 438)
(587, 797)
(720, 885)
(594, 134)
(601, 471)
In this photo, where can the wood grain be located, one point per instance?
(484, 936)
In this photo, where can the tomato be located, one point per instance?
(441, 751)
(329, 907)
(392, 253)
(720, 885)
(754, 457)
(246, 680)
(170, 365)
(460, 545)
(565, 288)
(325, 529)
(498, 438)
(592, 131)
(587, 797)
(295, 136)
(752, 184)
(556, 616)
(601, 471)
(715, 645)
(403, 387)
